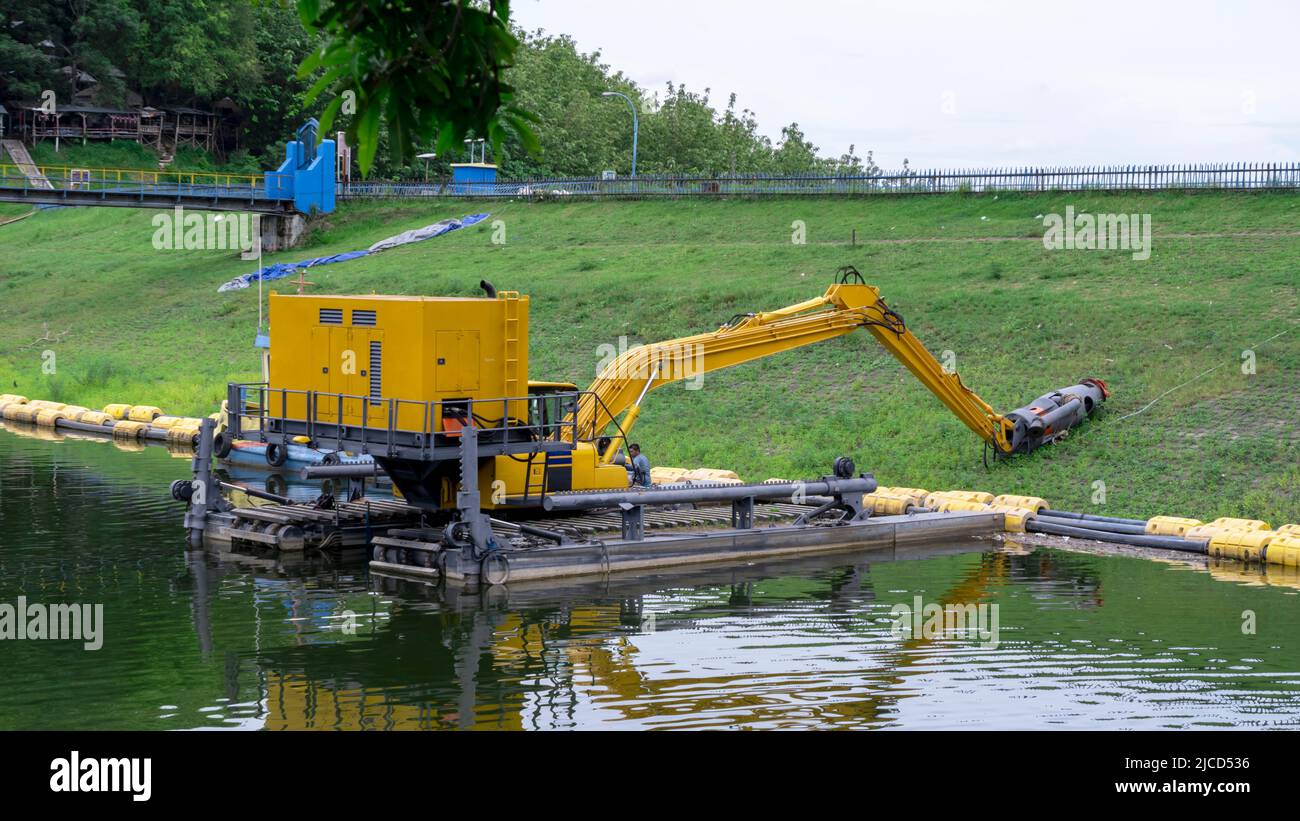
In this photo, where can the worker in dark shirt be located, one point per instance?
(638, 467)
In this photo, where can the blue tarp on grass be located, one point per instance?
(280, 270)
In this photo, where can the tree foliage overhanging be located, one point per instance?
(425, 75)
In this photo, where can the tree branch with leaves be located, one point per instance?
(432, 70)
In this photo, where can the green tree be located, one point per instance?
(682, 135)
(46, 45)
(795, 155)
(433, 71)
(578, 130)
(100, 34)
(273, 108)
(25, 70)
(194, 50)
(401, 76)
(745, 150)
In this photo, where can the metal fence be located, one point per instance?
(270, 192)
(74, 178)
(1227, 176)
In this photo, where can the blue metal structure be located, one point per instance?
(307, 174)
(469, 177)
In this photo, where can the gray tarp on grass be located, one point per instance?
(427, 232)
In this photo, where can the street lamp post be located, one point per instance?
(426, 157)
(632, 106)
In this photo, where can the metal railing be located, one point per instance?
(144, 183)
(1228, 176)
(407, 427)
(69, 176)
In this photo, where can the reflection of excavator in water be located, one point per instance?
(411, 379)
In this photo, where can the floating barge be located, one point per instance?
(660, 551)
(295, 527)
(581, 533)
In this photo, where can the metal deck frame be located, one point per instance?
(499, 435)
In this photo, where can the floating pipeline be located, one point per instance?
(128, 426)
(1046, 525)
(1226, 538)
(132, 427)
(1243, 540)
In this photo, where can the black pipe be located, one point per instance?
(346, 471)
(1106, 527)
(72, 424)
(1091, 517)
(151, 433)
(488, 288)
(586, 500)
(258, 494)
(530, 530)
(1166, 542)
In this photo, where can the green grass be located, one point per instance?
(126, 154)
(967, 272)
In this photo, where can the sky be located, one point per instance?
(971, 83)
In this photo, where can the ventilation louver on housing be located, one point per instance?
(363, 318)
(331, 316)
(376, 372)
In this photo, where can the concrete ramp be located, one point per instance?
(19, 156)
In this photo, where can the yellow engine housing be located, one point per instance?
(413, 348)
(363, 351)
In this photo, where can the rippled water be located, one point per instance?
(199, 640)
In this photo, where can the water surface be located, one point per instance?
(195, 639)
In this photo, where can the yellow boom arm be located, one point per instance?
(844, 308)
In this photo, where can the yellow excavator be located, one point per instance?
(437, 389)
(847, 305)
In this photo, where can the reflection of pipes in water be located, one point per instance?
(195, 560)
(476, 644)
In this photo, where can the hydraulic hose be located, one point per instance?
(1091, 517)
(1167, 542)
(1105, 527)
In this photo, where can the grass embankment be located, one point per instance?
(126, 154)
(968, 273)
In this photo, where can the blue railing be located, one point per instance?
(89, 186)
(1231, 176)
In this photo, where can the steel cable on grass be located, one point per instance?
(1202, 375)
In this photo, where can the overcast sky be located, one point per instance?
(973, 83)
